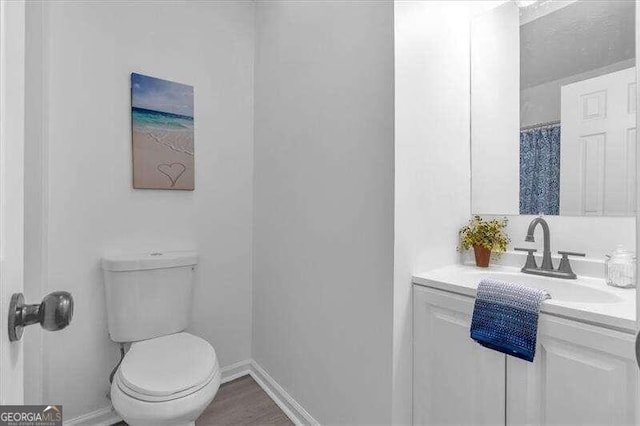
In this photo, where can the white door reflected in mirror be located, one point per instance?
(598, 146)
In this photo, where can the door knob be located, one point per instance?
(54, 313)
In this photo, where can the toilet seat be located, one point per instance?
(167, 368)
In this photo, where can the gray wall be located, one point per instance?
(323, 219)
(581, 37)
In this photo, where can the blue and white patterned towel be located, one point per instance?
(505, 317)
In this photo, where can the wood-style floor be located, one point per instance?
(241, 402)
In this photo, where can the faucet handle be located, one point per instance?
(565, 266)
(531, 261)
(525, 249)
(566, 254)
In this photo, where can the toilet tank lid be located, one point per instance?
(154, 260)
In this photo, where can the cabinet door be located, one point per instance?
(455, 380)
(581, 375)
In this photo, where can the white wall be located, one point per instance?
(637, 221)
(323, 220)
(432, 169)
(495, 97)
(89, 207)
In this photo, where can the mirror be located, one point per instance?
(553, 108)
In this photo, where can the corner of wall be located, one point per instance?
(432, 164)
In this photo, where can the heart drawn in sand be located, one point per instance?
(173, 171)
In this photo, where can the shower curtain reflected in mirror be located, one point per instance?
(540, 170)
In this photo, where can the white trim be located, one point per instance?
(103, 417)
(235, 371)
(637, 39)
(297, 414)
(530, 14)
(286, 402)
(12, 80)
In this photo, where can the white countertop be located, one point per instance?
(585, 299)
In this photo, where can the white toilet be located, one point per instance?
(167, 377)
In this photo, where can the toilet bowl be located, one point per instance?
(167, 380)
(168, 376)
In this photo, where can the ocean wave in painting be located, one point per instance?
(173, 131)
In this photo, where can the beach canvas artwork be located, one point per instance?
(162, 133)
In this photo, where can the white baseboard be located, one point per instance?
(107, 416)
(286, 402)
(103, 417)
(235, 371)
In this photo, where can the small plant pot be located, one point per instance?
(483, 256)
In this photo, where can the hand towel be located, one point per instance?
(505, 317)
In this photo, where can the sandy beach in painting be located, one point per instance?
(163, 140)
(162, 153)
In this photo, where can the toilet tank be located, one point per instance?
(148, 295)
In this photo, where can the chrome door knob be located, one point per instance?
(53, 313)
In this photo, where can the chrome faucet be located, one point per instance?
(564, 269)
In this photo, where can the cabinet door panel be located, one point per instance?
(456, 381)
(581, 375)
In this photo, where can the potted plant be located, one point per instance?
(485, 236)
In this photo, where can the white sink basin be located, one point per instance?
(573, 291)
(585, 299)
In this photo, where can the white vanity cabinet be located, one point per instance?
(456, 381)
(582, 374)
